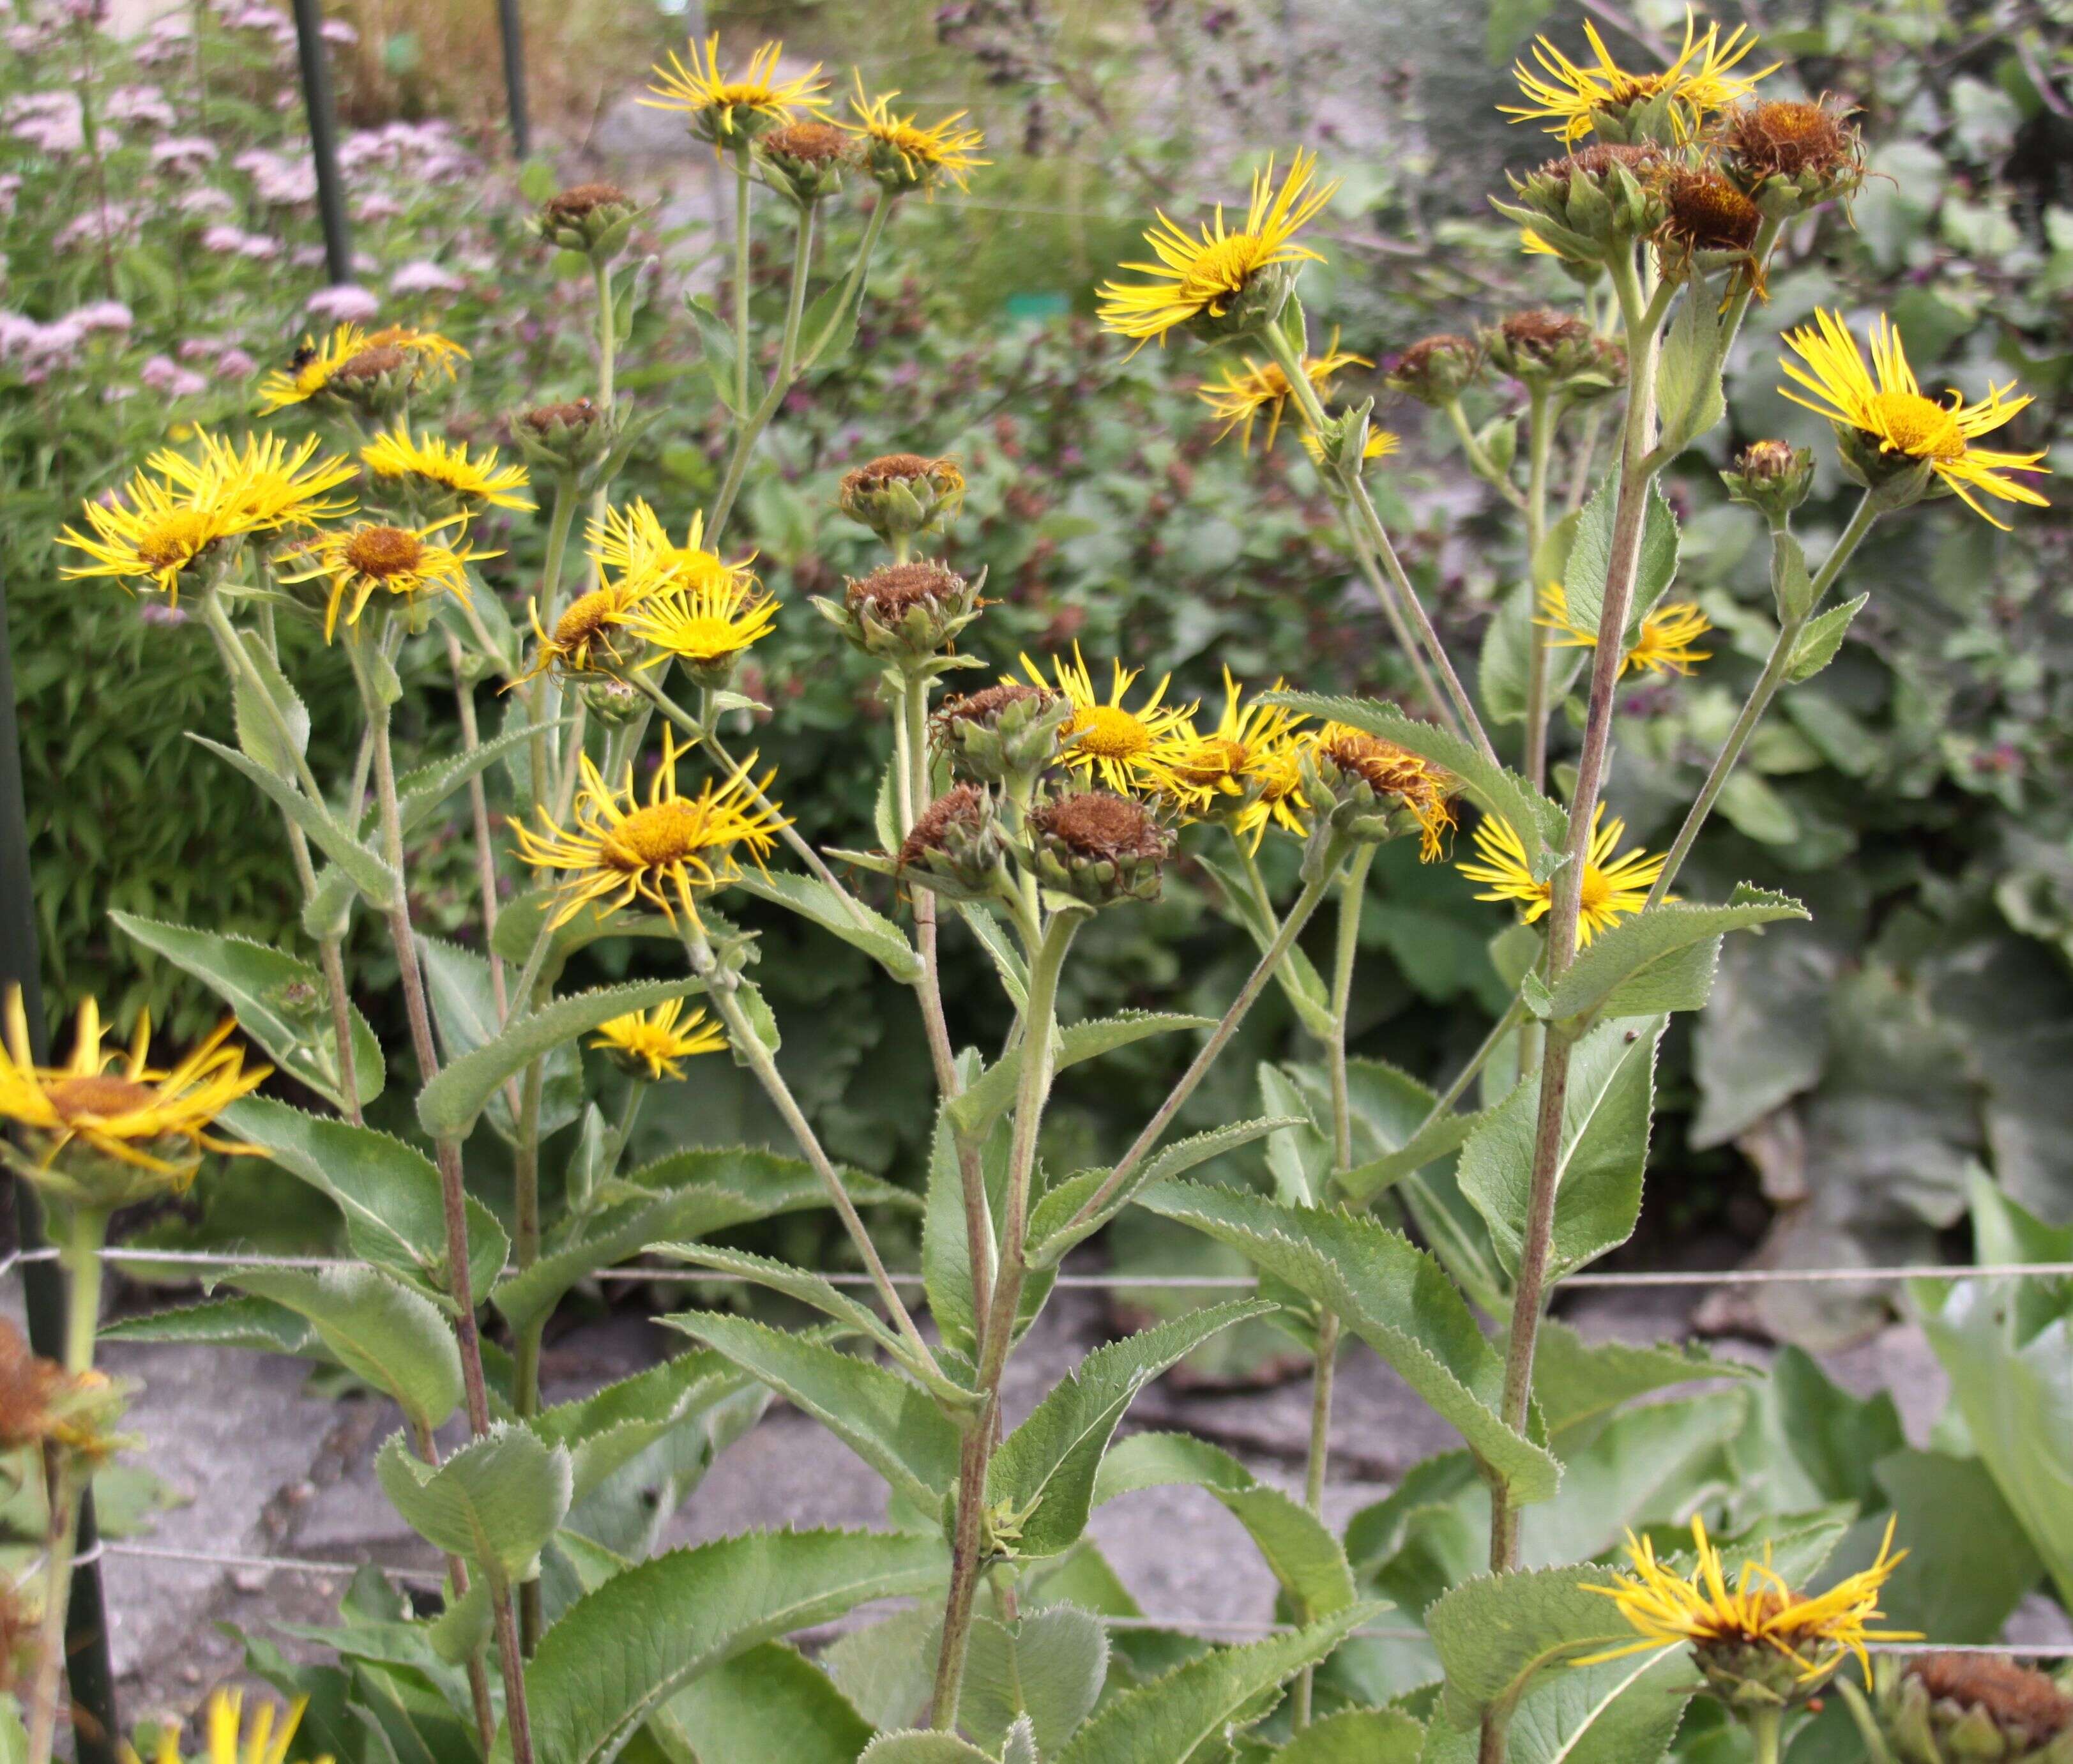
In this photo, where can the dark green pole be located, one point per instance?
(513, 32)
(323, 138)
(86, 1621)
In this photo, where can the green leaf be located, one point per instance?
(1600, 1163)
(618, 1654)
(878, 937)
(1821, 638)
(449, 1106)
(377, 1328)
(716, 336)
(1395, 1296)
(769, 1702)
(1495, 1632)
(1540, 823)
(242, 1322)
(894, 1427)
(1044, 1472)
(610, 1427)
(688, 1194)
(1625, 969)
(495, 1503)
(1163, 1722)
(257, 728)
(1047, 1668)
(1359, 1735)
(1590, 557)
(420, 791)
(395, 1216)
(281, 1003)
(1298, 1547)
(994, 1091)
(370, 874)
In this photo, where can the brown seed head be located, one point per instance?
(1707, 212)
(581, 200)
(813, 143)
(1540, 332)
(572, 414)
(888, 592)
(2016, 1698)
(1787, 138)
(372, 363)
(1101, 824)
(979, 707)
(962, 805)
(382, 552)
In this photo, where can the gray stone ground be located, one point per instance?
(265, 1469)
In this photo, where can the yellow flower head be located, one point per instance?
(1885, 403)
(1699, 82)
(229, 1742)
(1205, 274)
(408, 563)
(1665, 645)
(703, 626)
(727, 112)
(671, 850)
(586, 634)
(902, 156)
(1761, 1613)
(1613, 886)
(350, 355)
(430, 461)
(1245, 393)
(657, 1041)
(635, 542)
(1193, 770)
(263, 486)
(119, 1105)
(1110, 740)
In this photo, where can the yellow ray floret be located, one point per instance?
(1203, 273)
(1195, 770)
(1885, 402)
(433, 460)
(1615, 886)
(922, 156)
(671, 851)
(410, 564)
(1699, 82)
(1111, 739)
(229, 1741)
(1816, 1633)
(634, 541)
(703, 88)
(1665, 645)
(1257, 389)
(119, 1104)
(658, 1040)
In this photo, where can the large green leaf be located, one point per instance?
(280, 1002)
(769, 1702)
(1599, 1165)
(1047, 1667)
(390, 1193)
(1044, 1472)
(495, 1501)
(376, 1327)
(1394, 1295)
(1357, 1736)
(1496, 789)
(994, 1089)
(888, 1421)
(849, 919)
(370, 874)
(1631, 970)
(1163, 1722)
(618, 1654)
(1299, 1548)
(608, 1428)
(448, 1106)
(1495, 1633)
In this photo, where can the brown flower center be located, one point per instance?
(384, 552)
(891, 590)
(2016, 1698)
(962, 806)
(1101, 824)
(174, 539)
(99, 1096)
(582, 200)
(1785, 137)
(814, 143)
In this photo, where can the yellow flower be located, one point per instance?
(1613, 887)
(635, 543)
(1195, 769)
(701, 625)
(904, 156)
(1111, 739)
(584, 632)
(351, 353)
(433, 460)
(262, 487)
(670, 849)
(153, 1119)
(410, 563)
(1244, 393)
(1761, 1612)
(228, 1742)
(703, 91)
(1699, 82)
(1664, 646)
(1891, 411)
(657, 1041)
(1205, 274)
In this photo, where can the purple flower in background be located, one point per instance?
(347, 303)
(102, 316)
(423, 276)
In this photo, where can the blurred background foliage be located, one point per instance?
(1830, 1102)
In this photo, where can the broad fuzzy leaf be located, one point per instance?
(1044, 1471)
(620, 1653)
(878, 937)
(993, 1091)
(494, 1503)
(1394, 1295)
(1615, 972)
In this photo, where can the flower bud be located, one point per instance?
(805, 160)
(1436, 370)
(1098, 847)
(1589, 203)
(903, 611)
(1773, 477)
(898, 495)
(957, 847)
(1541, 349)
(1007, 732)
(1788, 156)
(595, 219)
(1960, 1708)
(1367, 789)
